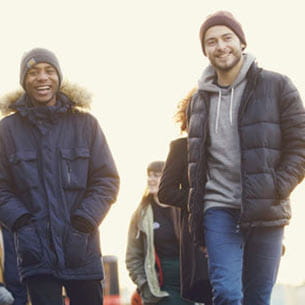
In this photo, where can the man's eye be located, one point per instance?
(32, 73)
(211, 42)
(50, 71)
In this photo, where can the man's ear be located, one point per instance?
(243, 46)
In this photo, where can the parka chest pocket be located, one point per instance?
(74, 167)
(24, 169)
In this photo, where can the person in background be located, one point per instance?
(173, 191)
(152, 255)
(246, 154)
(6, 297)
(10, 272)
(58, 180)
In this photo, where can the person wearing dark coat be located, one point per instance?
(246, 154)
(6, 298)
(57, 183)
(10, 273)
(173, 191)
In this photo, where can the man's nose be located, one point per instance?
(221, 44)
(42, 76)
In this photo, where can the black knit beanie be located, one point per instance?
(35, 56)
(155, 166)
(222, 18)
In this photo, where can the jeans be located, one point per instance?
(243, 264)
(47, 290)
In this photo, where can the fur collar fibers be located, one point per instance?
(80, 96)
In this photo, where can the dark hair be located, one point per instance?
(147, 198)
(155, 166)
(180, 116)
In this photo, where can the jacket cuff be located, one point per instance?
(82, 224)
(141, 282)
(10, 213)
(23, 220)
(94, 216)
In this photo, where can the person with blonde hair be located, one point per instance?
(10, 273)
(173, 191)
(6, 297)
(181, 113)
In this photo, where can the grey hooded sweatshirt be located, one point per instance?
(223, 187)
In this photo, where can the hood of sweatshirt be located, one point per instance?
(207, 83)
(207, 79)
(223, 187)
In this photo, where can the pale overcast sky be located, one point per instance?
(139, 58)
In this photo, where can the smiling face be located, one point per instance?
(153, 181)
(41, 84)
(223, 48)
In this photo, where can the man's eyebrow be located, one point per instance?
(37, 68)
(229, 33)
(49, 67)
(210, 38)
(224, 34)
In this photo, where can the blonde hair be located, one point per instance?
(180, 116)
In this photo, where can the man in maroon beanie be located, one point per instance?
(246, 140)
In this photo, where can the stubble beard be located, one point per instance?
(225, 67)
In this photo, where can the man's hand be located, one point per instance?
(146, 295)
(204, 250)
(82, 224)
(22, 221)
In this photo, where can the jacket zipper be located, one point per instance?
(69, 172)
(248, 94)
(204, 138)
(49, 233)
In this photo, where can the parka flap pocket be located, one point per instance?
(74, 153)
(26, 155)
(27, 243)
(76, 247)
(24, 167)
(74, 167)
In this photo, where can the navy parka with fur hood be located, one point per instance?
(271, 128)
(55, 164)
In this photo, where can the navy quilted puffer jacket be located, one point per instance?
(271, 126)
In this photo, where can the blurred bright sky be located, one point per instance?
(139, 58)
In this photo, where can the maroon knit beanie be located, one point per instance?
(222, 18)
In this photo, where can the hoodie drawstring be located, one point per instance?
(218, 111)
(231, 106)
(219, 105)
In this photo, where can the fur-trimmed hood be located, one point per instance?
(80, 97)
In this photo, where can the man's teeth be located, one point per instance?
(43, 88)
